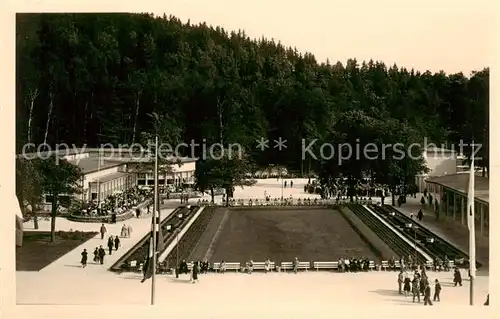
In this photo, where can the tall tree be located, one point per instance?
(58, 178)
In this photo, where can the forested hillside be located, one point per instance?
(95, 78)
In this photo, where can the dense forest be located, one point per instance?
(97, 78)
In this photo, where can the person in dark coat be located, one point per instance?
(103, 231)
(110, 244)
(415, 289)
(183, 267)
(427, 295)
(117, 242)
(84, 258)
(423, 284)
(102, 253)
(487, 302)
(96, 255)
(400, 282)
(457, 277)
(195, 271)
(407, 286)
(420, 215)
(437, 291)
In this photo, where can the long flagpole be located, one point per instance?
(98, 180)
(472, 229)
(154, 224)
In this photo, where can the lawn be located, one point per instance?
(38, 252)
(311, 235)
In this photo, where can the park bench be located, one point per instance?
(262, 266)
(326, 265)
(229, 266)
(371, 265)
(288, 265)
(397, 264)
(385, 264)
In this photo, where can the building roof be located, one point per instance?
(460, 183)
(91, 164)
(109, 177)
(439, 150)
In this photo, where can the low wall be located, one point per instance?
(270, 207)
(378, 246)
(172, 245)
(107, 218)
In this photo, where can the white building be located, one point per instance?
(110, 171)
(440, 162)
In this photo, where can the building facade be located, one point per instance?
(111, 171)
(440, 162)
(450, 192)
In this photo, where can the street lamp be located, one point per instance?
(177, 254)
(282, 181)
(415, 239)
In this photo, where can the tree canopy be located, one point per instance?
(96, 78)
(54, 178)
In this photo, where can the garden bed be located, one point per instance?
(38, 252)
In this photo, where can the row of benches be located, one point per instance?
(295, 202)
(303, 265)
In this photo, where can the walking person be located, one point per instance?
(194, 272)
(400, 282)
(407, 286)
(102, 253)
(267, 265)
(457, 277)
(427, 295)
(129, 231)
(291, 184)
(117, 242)
(110, 244)
(437, 291)
(250, 267)
(191, 272)
(123, 232)
(420, 215)
(423, 283)
(296, 265)
(415, 289)
(103, 231)
(96, 255)
(84, 258)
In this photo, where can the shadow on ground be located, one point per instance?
(385, 292)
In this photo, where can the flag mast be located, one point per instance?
(472, 230)
(155, 223)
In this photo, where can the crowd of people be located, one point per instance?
(117, 203)
(113, 243)
(419, 286)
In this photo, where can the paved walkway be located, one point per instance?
(70, 262)
(447, 228)
(63, 282)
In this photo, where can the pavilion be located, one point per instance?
(450, 191)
